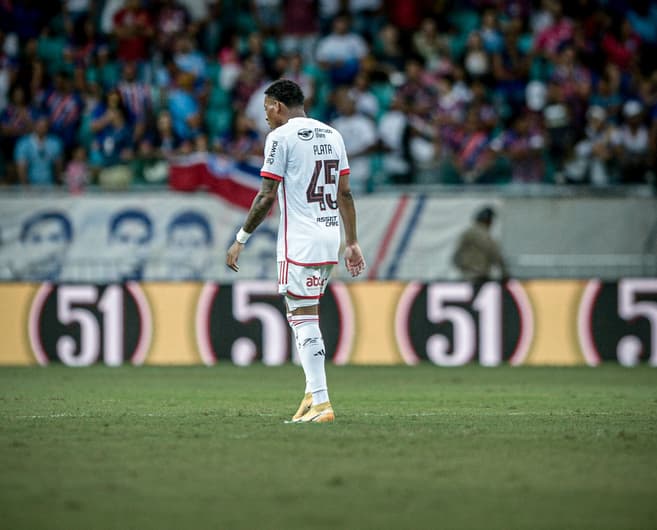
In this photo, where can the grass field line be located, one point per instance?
(351, 413)
(68, 415)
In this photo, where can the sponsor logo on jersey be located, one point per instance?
(328, 220)
(315, 281)
(321, 133)
(272, 153)
(305, 134)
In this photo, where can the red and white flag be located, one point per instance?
(235, 182)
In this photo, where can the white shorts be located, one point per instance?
(302, 286)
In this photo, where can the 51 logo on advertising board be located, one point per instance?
(80, 325)
(454, 323)
(246, 322)
(618, 321)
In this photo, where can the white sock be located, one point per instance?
(296, 353)
(310, 345)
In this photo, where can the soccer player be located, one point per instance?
(306, 165)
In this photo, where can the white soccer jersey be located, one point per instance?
(308, 157)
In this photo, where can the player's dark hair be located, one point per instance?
(131, 214)
(47, 216)
(287, 92)
(191, 218)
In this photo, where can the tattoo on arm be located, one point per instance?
(347, 196)
(261, 205)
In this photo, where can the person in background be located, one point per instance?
(133, 29)
(136, 98)
(633, 144)
(340, 52)
(472, 155)
(388, 50)
(432, 46)
(558, 31)
(524, 148)
(242, 142)
(594, 161)
(113, 142)
(360, 134)
(560, 131)
(184, 108)
(64, 108)
(172, 19)
(38, 156)
(190, 59)
(300, 27)
(477, 253)
(363, 95)
(394, 132)
(165, 140)
(78, 172)
(294, 71)
(16, 120)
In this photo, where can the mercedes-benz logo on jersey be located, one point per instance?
(305, 134)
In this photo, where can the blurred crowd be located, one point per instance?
(111, 92)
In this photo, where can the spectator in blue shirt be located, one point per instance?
(38, 156)
(184, 108)
(112, 143)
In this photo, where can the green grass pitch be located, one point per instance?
(423, 447)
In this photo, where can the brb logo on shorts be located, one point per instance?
(315, 281)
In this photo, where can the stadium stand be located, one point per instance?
(479, 91)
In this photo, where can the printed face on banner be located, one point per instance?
(130, 234)
(189, 246)
(45, 238)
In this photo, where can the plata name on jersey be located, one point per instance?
(322, 149)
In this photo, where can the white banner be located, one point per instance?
(116, 237)
(119, 237)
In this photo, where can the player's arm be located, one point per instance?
(353, 256)
(260, 207)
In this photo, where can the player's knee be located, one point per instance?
(298, 306)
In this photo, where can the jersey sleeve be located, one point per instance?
(275, 157)
(344, 163)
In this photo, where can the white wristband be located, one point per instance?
(242, 236)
